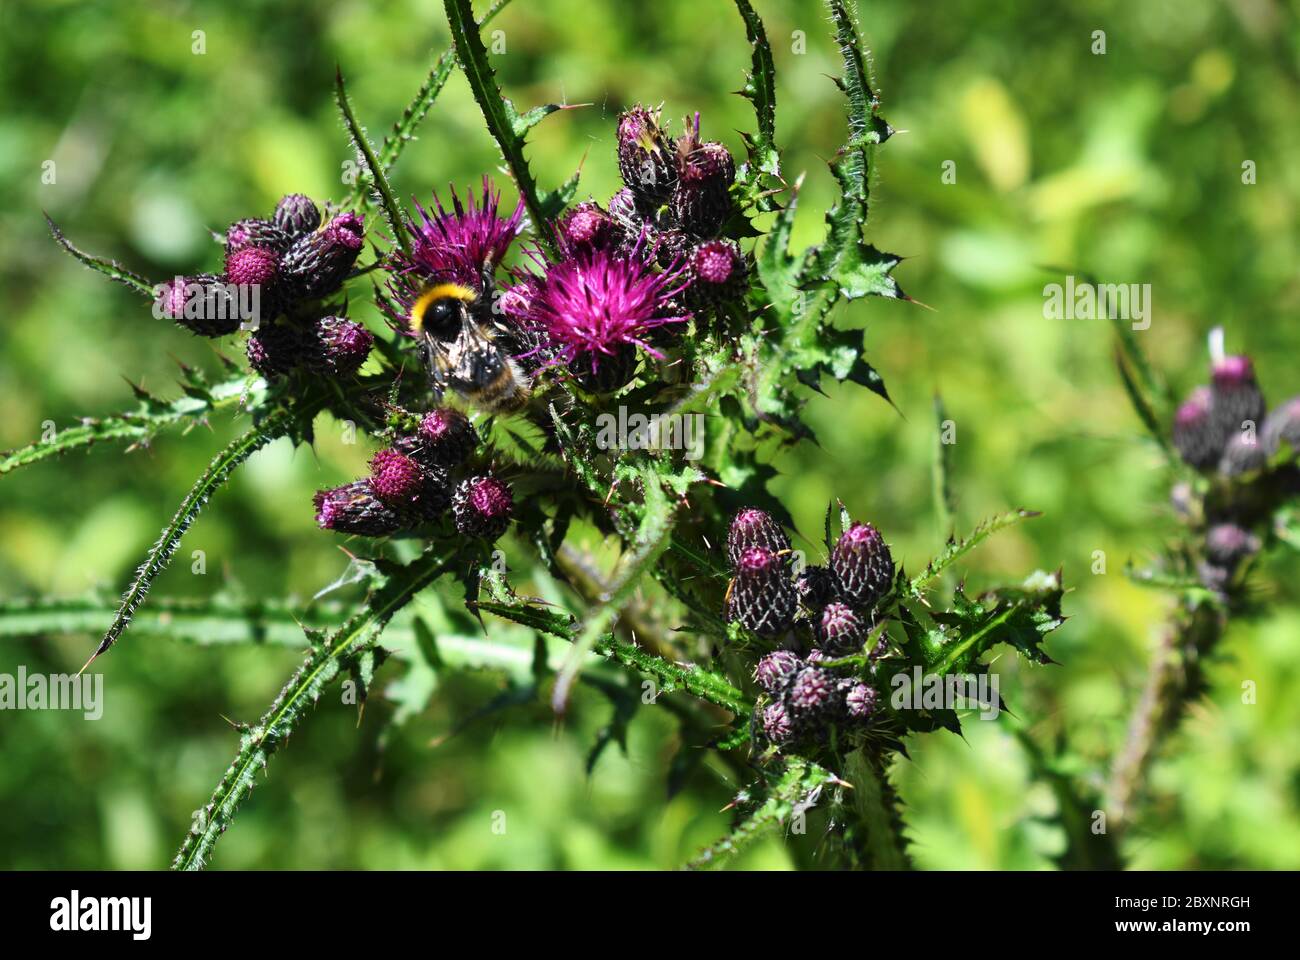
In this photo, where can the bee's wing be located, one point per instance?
(439, 361)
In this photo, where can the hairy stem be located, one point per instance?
(1175, 678)
(323, 665)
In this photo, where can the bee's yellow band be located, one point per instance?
(439, 291)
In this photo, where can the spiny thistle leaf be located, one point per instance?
(956, 549)
(795, 790)
(760, 91)
(138, 426)
(669, 677)
(109, 268)
(218, 472)
(501, 118)
(366, 153)
(323, 664)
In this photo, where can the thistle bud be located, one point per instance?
(338, 346)
(395, 478)
(1237, 400)
(297, 215)
(840, 631)
(586, 226)
(816, 588)
(752, 527)
(1227, 544)
(812, 697)
(201, 304)
(256, 268)
(1243, 454)
(776, 724)
(1282, 426)
(256, 232)
(859, 699)
(482, 507)
(762, 596)
(445, 439)
(645, 157)
(274, 349)
(317, 263)
(1198, 442)
(701, 201)
(775, 669)
(353, 508)
(862, 566)
(717, 271)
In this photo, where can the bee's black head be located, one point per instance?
(440, 310)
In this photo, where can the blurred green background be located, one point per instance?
(1127, 166)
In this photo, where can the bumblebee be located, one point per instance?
(463, 347)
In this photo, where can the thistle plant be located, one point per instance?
(1234, 483)
(513, 333)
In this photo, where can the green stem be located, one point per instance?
(322, 666)
(474, 64)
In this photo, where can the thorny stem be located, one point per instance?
(1174, 678)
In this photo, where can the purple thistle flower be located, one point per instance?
(394, 477)
(462, 244)
(593, 303)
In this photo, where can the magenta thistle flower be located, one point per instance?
(253, 266)
(394, 477)
(593, 303)
(462, 244)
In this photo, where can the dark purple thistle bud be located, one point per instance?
(613, 372)
(317, 263)
(1227, 544)
(445, 439)
(623, 211)
(1244, 453)
(201, 304)
(395, 478)
(775, 669)
(752, 527)
(859, 699)
(586, 225)
(645, 157)
(862, 566)
(1237, 403)
(353, 508)
(275, 349)
(256, 232)
(816, 588)
(813, 696)
(776, 724)
(701, 202)
(762, 597)
(482, 507)
(840, 631)
(1198, 441)
(338, 346)
(1282, 426)
(297, 215)
(717, 270)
